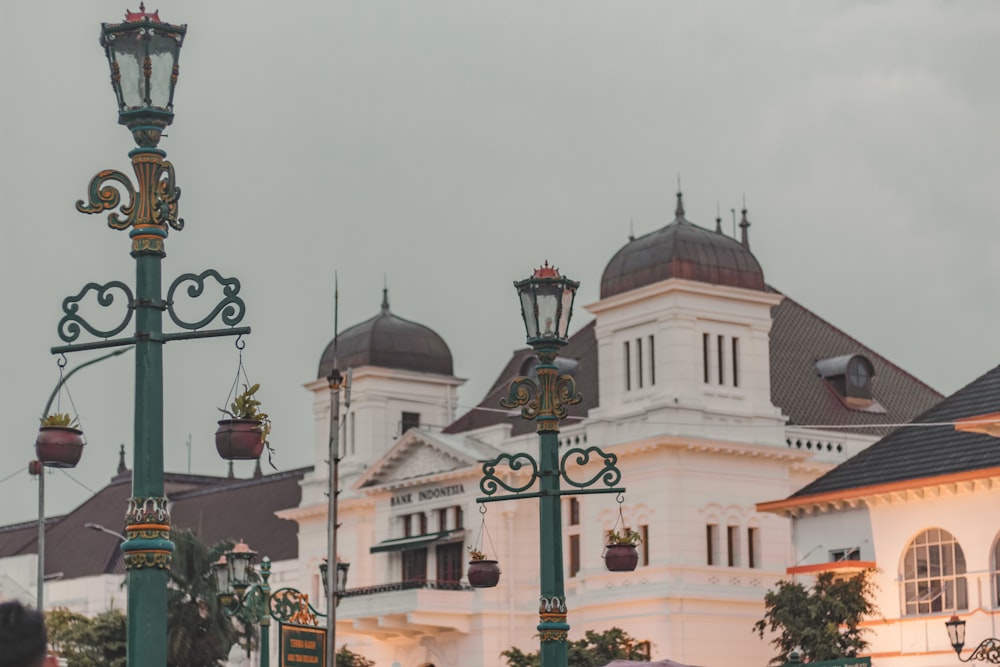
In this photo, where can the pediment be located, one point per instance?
(417, 455)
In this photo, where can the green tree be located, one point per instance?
(199, 633)
(822, 621)
(347, 658)
(596, 649)
(88, 642)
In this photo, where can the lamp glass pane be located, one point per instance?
(567, 310)
(548, 299)
(323, 577)
(129, 51)
(342, 577)
(528, 311)
(162, 55)
(221, 577)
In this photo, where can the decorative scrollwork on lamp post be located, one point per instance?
(546, 307)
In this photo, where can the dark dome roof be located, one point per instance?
(388, 341)
(683, 250)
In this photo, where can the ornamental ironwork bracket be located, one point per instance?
(987, 651)
(230, 309)
(609, 475)
(288, 605)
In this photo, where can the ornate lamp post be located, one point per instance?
(987, 651)
(142, 53)
(241, 588)
(546, 307)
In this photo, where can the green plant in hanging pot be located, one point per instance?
(483, 573)
(60, 441)
(620, 553)
(244, 435)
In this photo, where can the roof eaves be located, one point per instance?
(840, 496)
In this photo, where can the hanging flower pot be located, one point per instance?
(621, 557)
(620, 554)
(244, 435)
(239, 439)
(59, 443)
(484, 573)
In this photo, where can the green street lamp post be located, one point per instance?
(987, 651)
(242, 589)
(142, 53)
(546, 307)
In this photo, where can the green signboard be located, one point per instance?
(302, 645)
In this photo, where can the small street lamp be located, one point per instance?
(987, 651)
(546, 307)
(101, 529)
(341, 583)
(241, 588)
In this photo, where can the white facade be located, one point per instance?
(699, 445)
(884, 523)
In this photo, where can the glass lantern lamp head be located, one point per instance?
(142, 52)
(341, 582)
(220, 570)
(240, 561)
(956, 633)
(546, 306)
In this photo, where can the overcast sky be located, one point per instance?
(453, 146)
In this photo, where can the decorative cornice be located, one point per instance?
(682, 285)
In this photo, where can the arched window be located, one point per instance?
(933, 570)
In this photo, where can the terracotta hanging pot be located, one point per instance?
(239, 439)
(483, 573)
(621, 557)
(59, 446)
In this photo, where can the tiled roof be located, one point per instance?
(916, 452)
(799, 338)
(215, 508)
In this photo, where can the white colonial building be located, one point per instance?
(714, 390)
(923, 506)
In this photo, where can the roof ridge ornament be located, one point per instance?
(745, 226)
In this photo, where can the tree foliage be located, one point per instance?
(596, 649)
(88, 642)
(822, 621)
(346, 658)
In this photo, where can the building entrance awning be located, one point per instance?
(415, 542)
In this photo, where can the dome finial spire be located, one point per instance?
(718, 219)
(745, 226)
(679, 211)
(631, 229)
(121, 460)
(385, 293)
